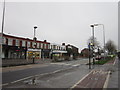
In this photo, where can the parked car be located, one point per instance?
(98, 57)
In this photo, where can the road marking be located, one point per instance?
(107, 79)
(99, 72)
(114, 62)
(22, 79)
(76, 65)
(58, 63)
(34, 76)
(80, 80)
(61, 63)
(4, 84)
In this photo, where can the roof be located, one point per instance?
(16, 37)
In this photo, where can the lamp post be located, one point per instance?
(93, 43)
(34, 39)
(1, 37)
(34, 31)
(103, 37)
(89, 56)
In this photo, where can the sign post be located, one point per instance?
(89, 56)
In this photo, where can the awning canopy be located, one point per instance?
(58, 51)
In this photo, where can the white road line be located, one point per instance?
(114, 62)
(81, 80)
(22, 79)
(4, 84)
(58, 63)
(76, 65)
(34, 76)
(107, 79)
(61, 63)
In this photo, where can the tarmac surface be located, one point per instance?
(73, 77)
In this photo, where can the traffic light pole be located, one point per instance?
(89, 57)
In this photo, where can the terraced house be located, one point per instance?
(15, 47)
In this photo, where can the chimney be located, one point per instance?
(35, 39)
(63, 44)
(45, 40)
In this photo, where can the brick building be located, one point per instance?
(15, 47)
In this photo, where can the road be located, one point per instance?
(66, 68)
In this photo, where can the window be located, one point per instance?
(4, 40)
(17, 42)
(10, 41)
(23, 43)
(42, 45)
(48, 46)
(28, 44)
(37, 45)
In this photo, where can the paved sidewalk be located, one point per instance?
(99, 77)
(113, 81)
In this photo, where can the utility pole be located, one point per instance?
(34, 39)
(89, 56)
(93, 43)
(1, 42)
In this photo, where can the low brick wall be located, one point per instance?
(15, 62)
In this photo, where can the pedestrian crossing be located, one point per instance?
(66, 64)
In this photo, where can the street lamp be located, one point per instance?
(1, 42)
(34, 39)
(93, 25)
(93, 43)
(34, 30)
(103, 37)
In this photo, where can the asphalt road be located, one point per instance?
(12, 76)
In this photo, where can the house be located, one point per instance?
(85, 52)
(15, 47)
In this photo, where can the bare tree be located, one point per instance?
(95, 43)
(110, 46)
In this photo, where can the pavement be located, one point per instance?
(100, 77)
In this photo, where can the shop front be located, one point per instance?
(59, 55)
(45, 53)
(36, 53)
(14, 52)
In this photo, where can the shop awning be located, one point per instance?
(58, 51)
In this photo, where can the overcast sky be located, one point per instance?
(59, 22)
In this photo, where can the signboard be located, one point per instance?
(34, 49)
(57, 51)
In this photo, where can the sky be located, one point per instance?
(62, 22)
